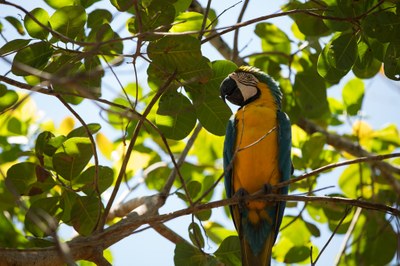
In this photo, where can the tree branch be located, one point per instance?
(344, 144)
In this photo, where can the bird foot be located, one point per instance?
(241, 193)
(267, 188)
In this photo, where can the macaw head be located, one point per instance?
(244, 86)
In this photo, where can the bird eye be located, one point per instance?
(248, 77)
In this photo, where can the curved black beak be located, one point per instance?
(230, 91)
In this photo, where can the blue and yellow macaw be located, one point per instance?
(256, 156)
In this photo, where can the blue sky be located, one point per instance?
(148, 247)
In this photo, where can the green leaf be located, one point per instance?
(158, 16)
(366, 65)
(194, 187)
(391, 62)
(207, 148)
(50, 144)
(342, 51)
(336, 25)
(81, 131)
(16, 23)
(72, 157)
(310, 94)
(69, 21)
(186, 254)
(40, 216)
(376, 236)
(122, 5)
(211, 111)
(325, 68)
(195, 235)
(181, 54)
(297, 232)
(20, 177)
(229, 251)
(175, 115)
(297, 254)
(98, 17)
(308, 25)
(217, 232)
(7, 98)
(353, 95)
(34, 29)
(85, 214)
(10, 236)
(383, 26)
(36, 56)
(86, 180)
(316, 212)
(203, 215)
(156, 178)
(312, 149)
(188, 21)
(273, 40)
(56, 4)
(13, 46)
(352, 178)
(181, 5)
(67, 200)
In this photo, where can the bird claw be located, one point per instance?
(267, 188)
(241, 193)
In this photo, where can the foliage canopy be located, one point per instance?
(168, 129)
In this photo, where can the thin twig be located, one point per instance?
(236, 35)
(130, 149)
(347, 211)
(349, 232)
(334, 165)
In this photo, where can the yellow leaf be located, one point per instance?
(66, 125)
(138, 161)
(362, 129)
(105, 145)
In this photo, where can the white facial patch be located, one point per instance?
(247, 91)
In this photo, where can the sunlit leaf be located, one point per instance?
(33, 28)
(56, 4)
(188, 21)
(7, 98)
(229, 251)
(72, 157)
(366, 65)
(93, 128)
(31, 59)
(69, 21)
(217, 232)
(342, 51)
(353, 95)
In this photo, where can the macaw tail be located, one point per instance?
(262, 258)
